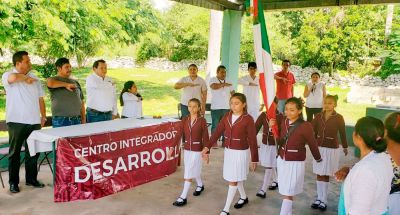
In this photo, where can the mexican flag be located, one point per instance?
(263, 57)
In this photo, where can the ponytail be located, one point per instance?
(127, 86)
(371, 130)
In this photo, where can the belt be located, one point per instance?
(96, 111)
(68, 117)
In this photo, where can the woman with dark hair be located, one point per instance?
(366, 187)
(392, 136)
(314, 92)
(131, 101)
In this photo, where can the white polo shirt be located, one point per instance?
(252, 93)
(132, 105)
(101, 93)
(192, 92)
(220, 97)
(367, 186)
(22, 99)
(316, 98)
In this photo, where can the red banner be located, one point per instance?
(95, 166)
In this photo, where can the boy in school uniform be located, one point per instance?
(251, 90)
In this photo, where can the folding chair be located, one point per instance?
(208, 109)
(4, 154)
(46, 157)
(179, 111)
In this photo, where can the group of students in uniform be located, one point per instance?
(363, 192)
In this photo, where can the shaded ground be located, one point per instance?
(157, 197)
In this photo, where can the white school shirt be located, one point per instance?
(101, 94)
(192, 92)
(234, 118)
(252, 93)
(316, 98)
(367, 186)
(220, 97)
(22, 99)
(132, 105)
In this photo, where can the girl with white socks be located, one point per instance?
(326, 126)
(267, 151)
(294, 135)
(195, 136)
(240, 134)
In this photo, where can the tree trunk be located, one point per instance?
(389, 19)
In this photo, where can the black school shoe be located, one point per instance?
(240, 205)
(35, 184)
(197, 193)
(322, 206)
(14, 188)
(180, 203)
(224, 212)
(316, 204)
(262, 194)
(273, 186)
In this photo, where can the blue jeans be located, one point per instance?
(281, 105)
(184, 111)
(61, 121)
(216, 116)
(92, 116)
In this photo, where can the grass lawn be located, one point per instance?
(160, 98)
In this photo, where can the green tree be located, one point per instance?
(70, 28)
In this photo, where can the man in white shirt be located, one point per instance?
(25, 112)
(193, 87)
(221, 91)
(251, 90)
(101, 95)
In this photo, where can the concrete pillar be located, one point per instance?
(231, 28)
(214, 47)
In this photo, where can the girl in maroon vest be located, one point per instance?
(294, 135)
(195, 137)
(267, 152)
(240, 134)
(326, 126)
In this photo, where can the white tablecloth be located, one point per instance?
(41, 140)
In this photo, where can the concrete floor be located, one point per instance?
(157, 197)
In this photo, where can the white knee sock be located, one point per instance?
(286, 208)
(199, 181)
(241, 190)
(324, 186)
(186, 187)
(267, 179)
(274, 174)
(229, 198)
(319, 190)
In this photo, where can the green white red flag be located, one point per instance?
(263, 57)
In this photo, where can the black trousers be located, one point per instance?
(312, 112)
(18, 134)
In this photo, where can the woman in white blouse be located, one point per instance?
(131, 101)
(314, 92)
(366, 188)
